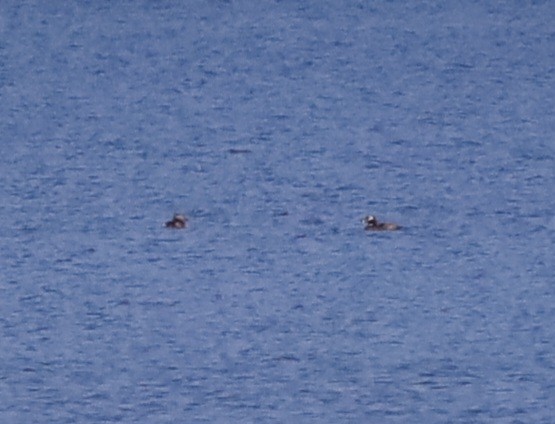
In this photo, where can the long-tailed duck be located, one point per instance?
(178, 221)
(371, 223)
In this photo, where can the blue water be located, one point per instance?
(275, 126)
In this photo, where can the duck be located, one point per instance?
(371, 223)
(178, 221)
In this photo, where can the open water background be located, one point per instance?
(276, 125)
